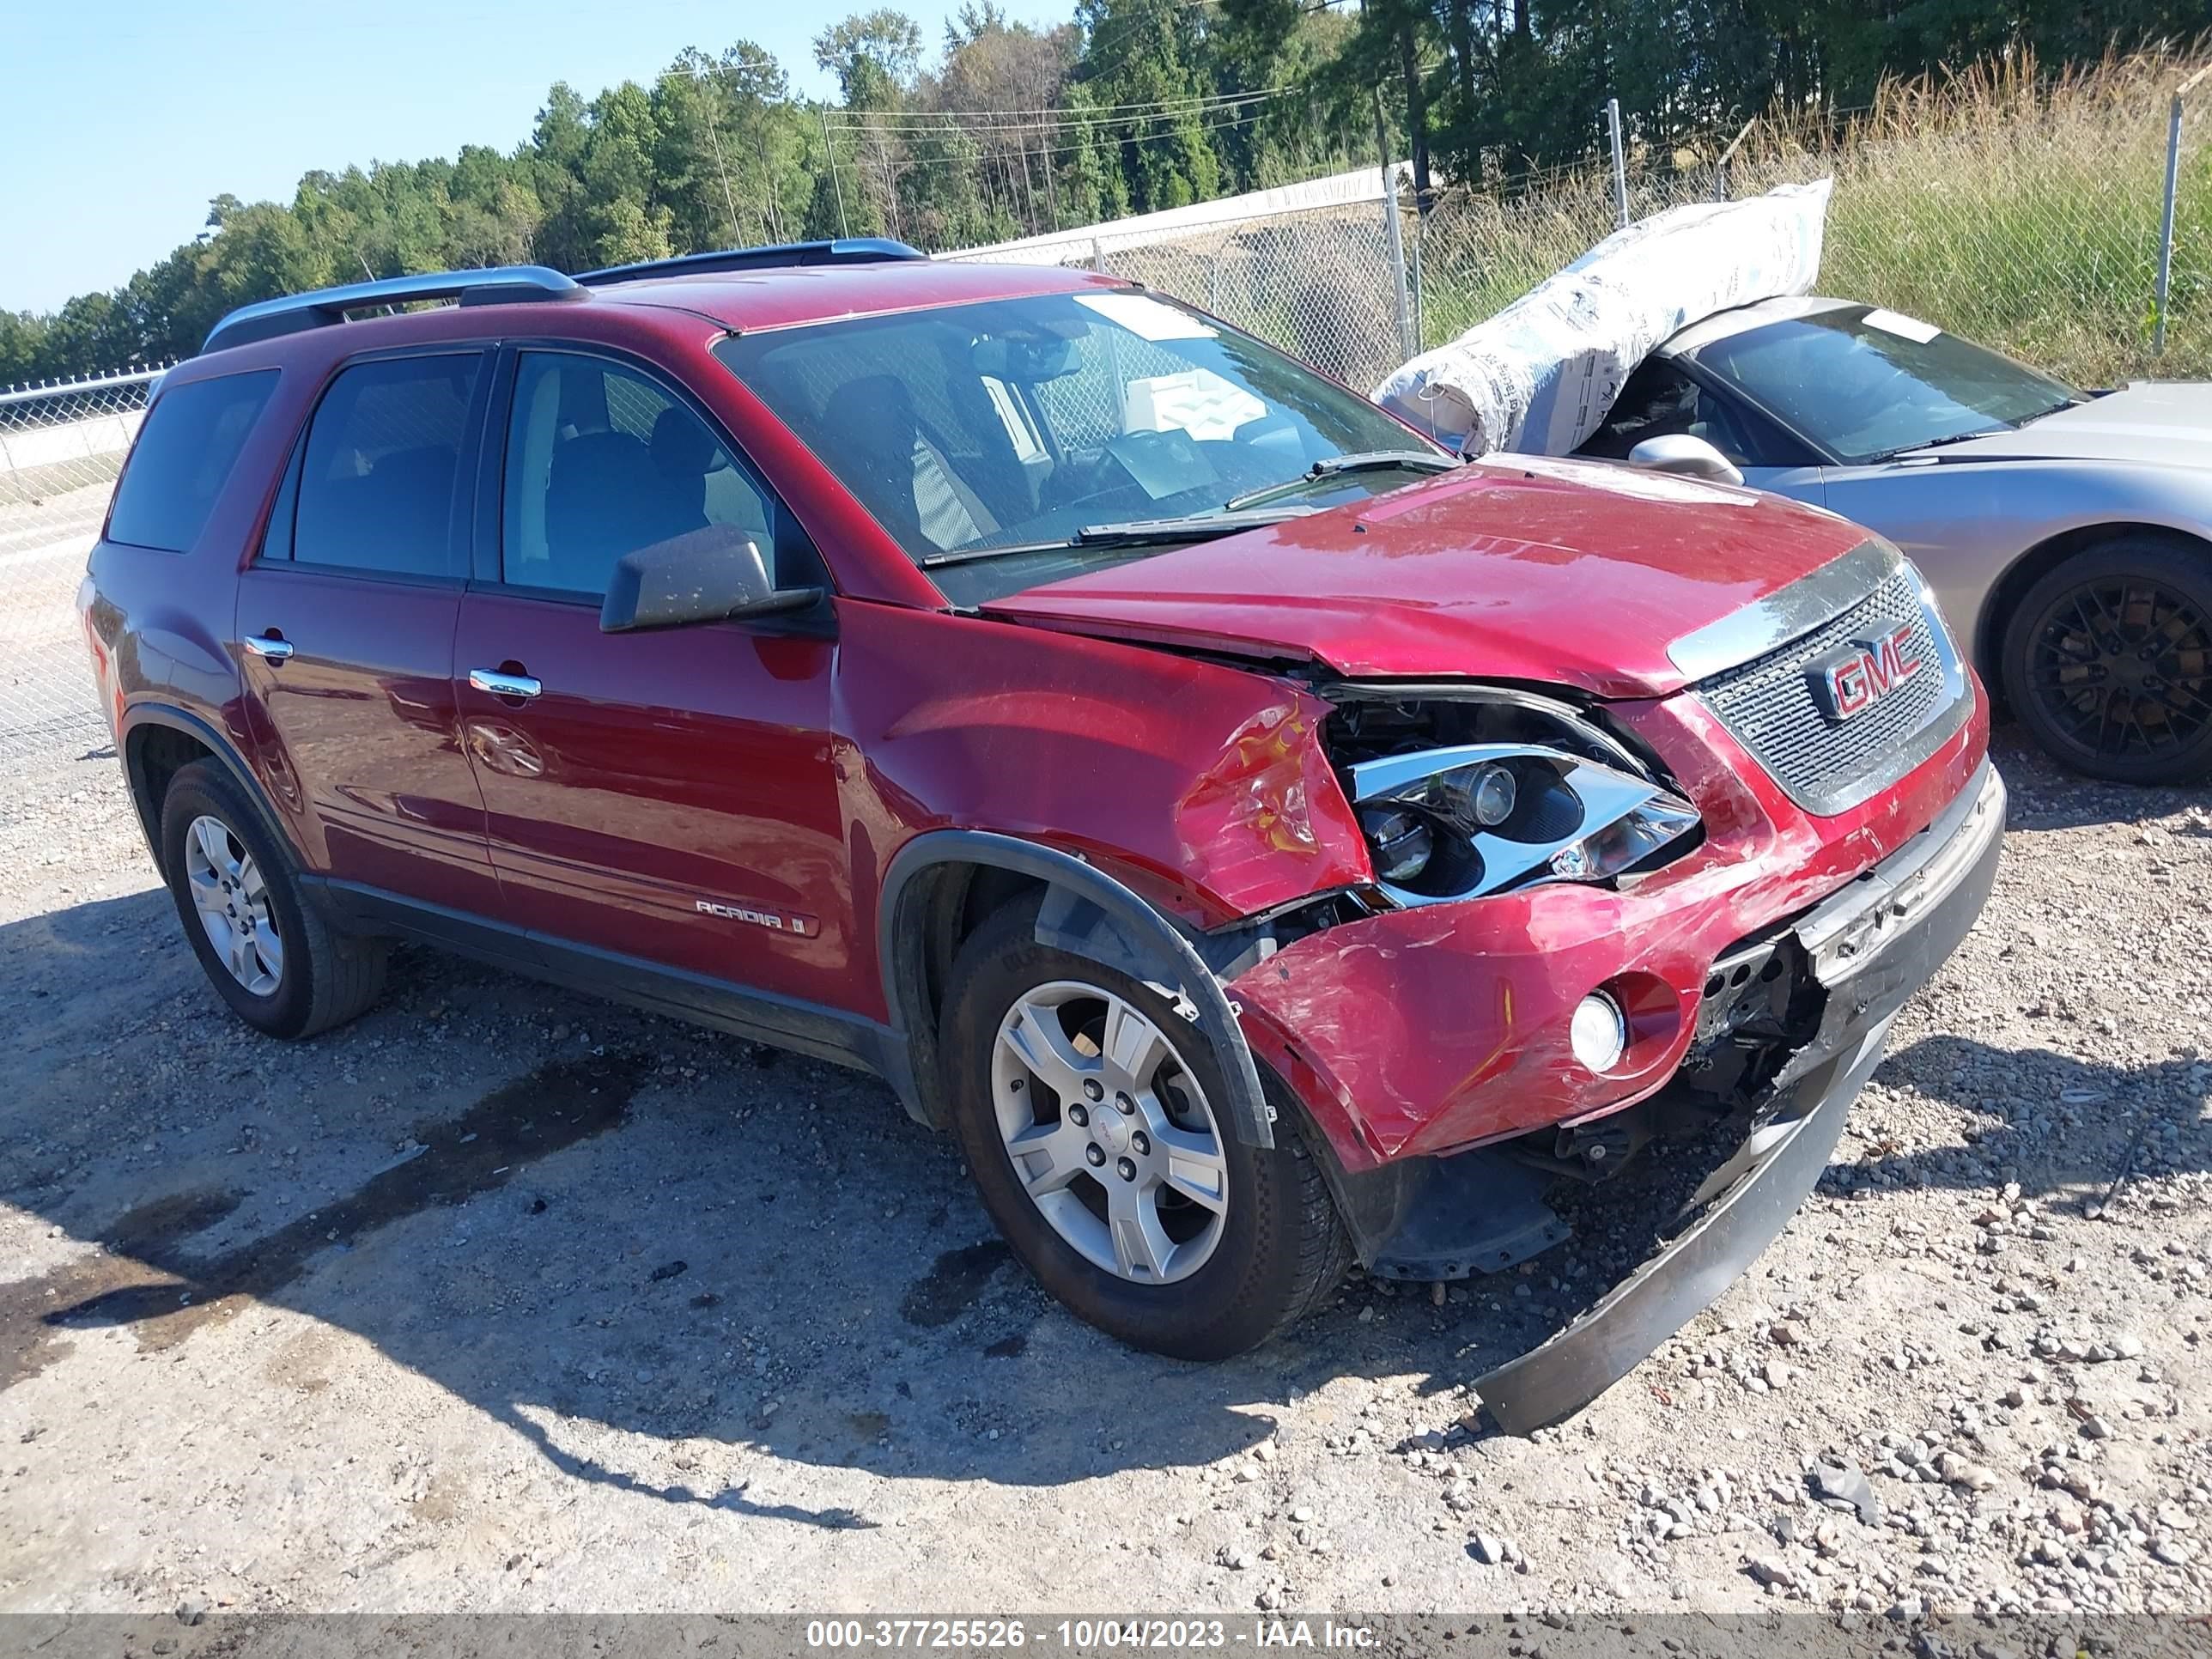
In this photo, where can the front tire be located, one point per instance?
(1093, 1119)
(268, 953)
(2107, 660)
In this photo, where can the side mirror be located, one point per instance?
(714, 574)
(1680, 452)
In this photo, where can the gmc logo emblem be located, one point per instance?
(1851, 681)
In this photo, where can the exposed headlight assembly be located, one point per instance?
(1461, 822)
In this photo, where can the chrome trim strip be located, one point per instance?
(1786, 614)
(1850, 928)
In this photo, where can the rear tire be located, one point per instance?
(269, 952)
(2107, 660)
(1227, 1276)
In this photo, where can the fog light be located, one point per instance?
(1599, 1032)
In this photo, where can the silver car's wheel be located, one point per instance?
(234, 904)
(1108, 1133)
(2107, 659)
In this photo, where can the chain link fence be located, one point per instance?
(2033, 222)
(1313, 276)
(60, 449)
(1319, 282)
(2028, 215)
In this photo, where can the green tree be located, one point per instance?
(874, 55)
(1148, 59)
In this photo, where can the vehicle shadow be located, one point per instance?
(2046, 796)
(578, 1219)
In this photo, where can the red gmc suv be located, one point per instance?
(1263, 841)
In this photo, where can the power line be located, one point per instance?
(1055, 150)
(936, 124)
(1086, 110)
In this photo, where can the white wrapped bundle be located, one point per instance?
(1541, 374)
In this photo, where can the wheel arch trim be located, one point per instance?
(1985, 649)
(1085, 911)
(137, 720)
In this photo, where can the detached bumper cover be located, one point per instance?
(1871, 946)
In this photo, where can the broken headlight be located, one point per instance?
(1561, 802)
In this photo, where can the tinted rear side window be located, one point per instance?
(377, 488)
(184, 454)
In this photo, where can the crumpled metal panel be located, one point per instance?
(1426, 1030)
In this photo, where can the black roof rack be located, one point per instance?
(511, 284)
(292, 313)
(844, 251)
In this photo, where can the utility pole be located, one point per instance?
(1620, 163)
(1401, 289)
(715, 137)
(830, 149)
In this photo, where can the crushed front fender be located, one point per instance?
(1871, 947)
(1423, 1031)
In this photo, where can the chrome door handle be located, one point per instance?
(503, 686)
(268, 647)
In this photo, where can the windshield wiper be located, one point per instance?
(1133, 533)
(1331, 466)
(1934, 443)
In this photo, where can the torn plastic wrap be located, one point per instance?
(1541, 374)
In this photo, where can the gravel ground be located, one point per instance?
(502, 1298)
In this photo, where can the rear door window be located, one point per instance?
(184, 454)
(382, 476)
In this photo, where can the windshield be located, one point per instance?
(1018, 424)
(1864, 383)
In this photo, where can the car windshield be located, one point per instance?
(989, 438)
(1863, 382)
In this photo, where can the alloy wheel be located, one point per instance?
(1108, 1133)
(2122, 667)
(234, 904)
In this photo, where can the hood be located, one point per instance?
(2162, 422)
(1569, 572)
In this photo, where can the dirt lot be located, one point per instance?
(503, 1298)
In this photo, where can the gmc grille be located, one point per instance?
(1828, 765)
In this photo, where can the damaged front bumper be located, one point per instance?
(1870, 947)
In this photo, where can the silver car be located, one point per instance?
(2068, 534)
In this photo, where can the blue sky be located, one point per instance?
(126, 116)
